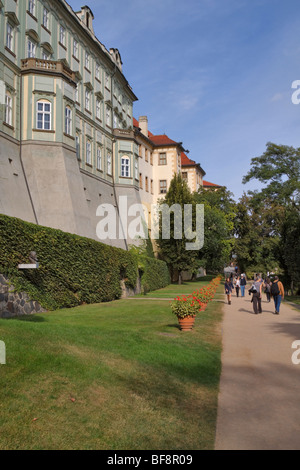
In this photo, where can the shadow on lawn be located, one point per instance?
(29, 318)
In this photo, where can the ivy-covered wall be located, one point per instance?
(73, 269)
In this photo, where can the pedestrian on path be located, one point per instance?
(277, 292)
(268, 289)
(237, 286)
(228, 289)
(256, 298)
(243, 283)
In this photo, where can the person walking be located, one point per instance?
(277, 292)
(243, 283)
(237, 286)
(256, 298)
(268, 289)
(228, 289)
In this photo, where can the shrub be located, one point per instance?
(73, 269)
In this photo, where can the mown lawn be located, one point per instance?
(117, 376)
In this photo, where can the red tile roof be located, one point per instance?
(135, 123)
(186, 161)
(207, 184)
(157, 139)
(163, 140)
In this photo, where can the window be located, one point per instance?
(9, 37)
(115, 121)
(184, 175)
(75, 49)
(141, 181)
(151, 184)
(98, 109)
(151, 158)
(125, 167)
(77, 93)
(88, 152)
(77, 142)
(108, 123)
(8, 109)
(147, 184)
(162, 159)
(109, 164)
(87, 61)
(46, 18)
(146, 155)
(68, 121)
(87, 100)
(45, 55)
(97, 74)
(31, 7)
(31, 49)
(163, 186)
(43, 118)
(107, 81)
(136, 169)
(99, 158)
(62, 35)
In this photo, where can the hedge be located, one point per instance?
(73, 269)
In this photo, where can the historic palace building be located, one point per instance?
(68, 139)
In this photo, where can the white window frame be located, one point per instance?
(32, 7)
(87, 99)
(41, 114)
(109, 165)
(99, 158)
(125, 167)
(75, 48)
(31, 48)
(8, 108)
(10, 33)
(97, 72)
(46, 15)
(68, 120)
(87, 60)
(115, 121)
(98, 109)
(108, 116)
(45, 55)
(136, 169)
(77, 146)
(62, 35)
(88, 152)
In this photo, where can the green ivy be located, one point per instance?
(73, 269)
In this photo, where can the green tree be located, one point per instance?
(173, 250)
(219, 219)
(277, 205)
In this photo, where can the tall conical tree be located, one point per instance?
(173, 249)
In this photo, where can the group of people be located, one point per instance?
(273, 289)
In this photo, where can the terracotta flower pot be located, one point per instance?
(187, 323)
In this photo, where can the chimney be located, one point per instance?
(143, 124)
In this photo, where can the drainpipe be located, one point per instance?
(20, 153)
(112, 163)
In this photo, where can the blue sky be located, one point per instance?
(213, 74)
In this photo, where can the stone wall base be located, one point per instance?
(15, 304)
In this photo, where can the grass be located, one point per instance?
(295, 299)
(117, 376)
(170, 291)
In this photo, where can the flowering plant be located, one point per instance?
(186, 306)
(189, 305)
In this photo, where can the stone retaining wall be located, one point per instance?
(14, 304)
